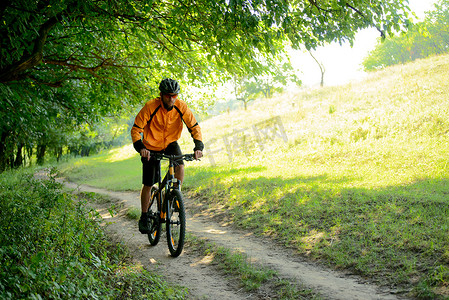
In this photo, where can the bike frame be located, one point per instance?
(167, 184)
(167, 191)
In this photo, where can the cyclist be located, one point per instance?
(160, 121)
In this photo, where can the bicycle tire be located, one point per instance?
(175, 223)
(154, 219)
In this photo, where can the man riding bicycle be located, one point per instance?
(161, 120)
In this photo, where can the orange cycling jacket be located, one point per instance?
(161, 127)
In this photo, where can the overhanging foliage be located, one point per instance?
(89, 58)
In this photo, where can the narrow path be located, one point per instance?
(203, 282)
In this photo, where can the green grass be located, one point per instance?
(133, 213)
(360, 184)
(104, 174)
(251, 276)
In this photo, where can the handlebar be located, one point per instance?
(160, 156)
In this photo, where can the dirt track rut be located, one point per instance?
(202, 280)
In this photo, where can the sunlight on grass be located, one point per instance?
(311, 240)
(117, 169)
(121, 153)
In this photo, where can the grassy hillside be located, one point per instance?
(359, 181)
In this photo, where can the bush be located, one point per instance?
(53, 247)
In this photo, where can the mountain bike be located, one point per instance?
(167, 206)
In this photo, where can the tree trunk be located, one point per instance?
(19, 158)
(40, 154)
(85, 150)
(3, 157)
(28, 61)
(322, 69)
(29, 153)
(58, 153)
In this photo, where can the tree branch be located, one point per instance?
(14, 71)
(382, 34)
(104, 63)
(322, 69)
(315, 4)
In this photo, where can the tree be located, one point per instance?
(321, 66)
(86, 59)
(55, 41)
(423, 39)
(243, 90)
(277, 73)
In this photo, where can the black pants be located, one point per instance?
(152, 167)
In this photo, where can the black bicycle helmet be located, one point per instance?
(169, 86)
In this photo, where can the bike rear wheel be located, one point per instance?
(154, 220)
(176, 223)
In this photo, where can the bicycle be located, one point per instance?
(167, 206)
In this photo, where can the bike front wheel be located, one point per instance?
(175, 223)
(154, 218)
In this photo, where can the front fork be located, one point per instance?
(169, 185)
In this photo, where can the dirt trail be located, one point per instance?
(203, 281)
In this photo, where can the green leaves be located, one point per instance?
(86, 59)
(89, 34)
(52, 247)
(421, 40)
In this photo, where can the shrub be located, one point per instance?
(53, 247)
